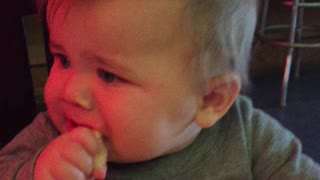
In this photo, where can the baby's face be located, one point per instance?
(122, 67)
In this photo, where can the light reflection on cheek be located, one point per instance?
(53, 101)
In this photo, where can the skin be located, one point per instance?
(122, 69)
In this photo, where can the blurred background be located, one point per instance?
(24, 70)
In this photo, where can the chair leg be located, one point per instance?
(289, 55)
(298, 39)
(264, 14)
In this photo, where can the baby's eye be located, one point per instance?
(64, 62)
(107, 76)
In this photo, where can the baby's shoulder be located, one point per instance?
(243, 108)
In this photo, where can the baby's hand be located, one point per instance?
(79, 154)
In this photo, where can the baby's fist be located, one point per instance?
(72, 156)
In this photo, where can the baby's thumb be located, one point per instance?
(100, 161)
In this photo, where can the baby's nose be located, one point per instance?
(77, 92)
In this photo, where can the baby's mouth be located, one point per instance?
(70, 125)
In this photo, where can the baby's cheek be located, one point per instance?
(50, 95)
(54, 86)
(51, 92)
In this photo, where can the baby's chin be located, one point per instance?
(129, 160)
(126, 158)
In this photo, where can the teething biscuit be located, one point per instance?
(101, 158)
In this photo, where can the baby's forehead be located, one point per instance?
(131, 29)
(142, 13)
(162, 7)
(122, 22)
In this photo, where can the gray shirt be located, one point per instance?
(245, 144)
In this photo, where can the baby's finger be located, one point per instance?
(86, 138)
(77, 156)
(68, 172)
(100, 172)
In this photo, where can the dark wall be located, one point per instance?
(17, 105)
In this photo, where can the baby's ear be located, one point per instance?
(219, 95)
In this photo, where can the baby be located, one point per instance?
(150, 90)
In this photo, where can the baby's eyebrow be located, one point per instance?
(114, 63)
(108, 62)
